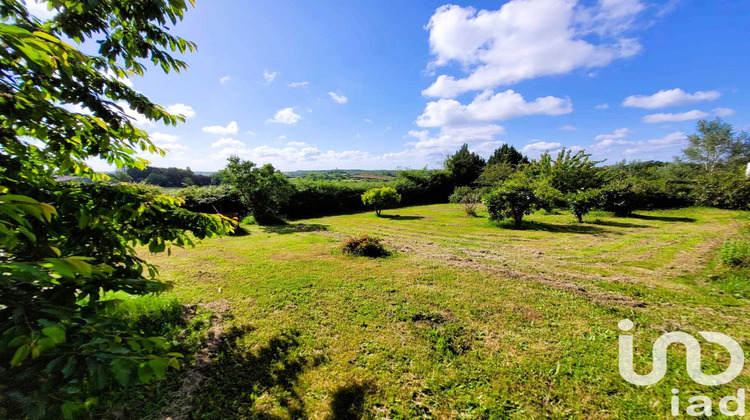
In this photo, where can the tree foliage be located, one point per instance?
(511, 200)
(464, 166)
(582, 202)
(715, 144)
(507, 155)
(262, 189)
(64, 247)
(381, 198)
(468, 197)
(568, 172)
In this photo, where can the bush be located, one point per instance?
(661, 194)
(211, 199)
(423, 186)
(735, 253)
(582, 202)
(320, 198)
(619, 198)
(547, 197)
(381, 198)
(510, 201)
(724, 190)
(468, 198)
(262, 189)
(365, 246)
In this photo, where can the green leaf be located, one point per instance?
(145, 374)
(159, 367)
(21, 354)
(55, 333)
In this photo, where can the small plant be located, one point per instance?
(468, 198)
(582, 202)
(735, 253)
(365, 246)
(510, 201)
(381, 198)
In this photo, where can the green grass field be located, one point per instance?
(467, 319)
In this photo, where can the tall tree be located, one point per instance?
(65, 246)
(262, 189)
(464, 166)
(716, 144)
(507, 154)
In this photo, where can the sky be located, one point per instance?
(401, 84)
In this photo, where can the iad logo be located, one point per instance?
(693, 364)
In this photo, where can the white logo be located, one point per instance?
(702, 405)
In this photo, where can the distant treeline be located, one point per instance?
(166, 177)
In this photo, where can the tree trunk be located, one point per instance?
(580, 218)
(517, 218)
(377, 212)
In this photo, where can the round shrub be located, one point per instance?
(619, 198)
(381, 198)
(468, 198)
(510, 201)
(365, 246)
(582, 202)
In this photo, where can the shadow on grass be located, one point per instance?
(548, 227)
(239, 231)
(398, 217)
(664, 218)
(295, 228)
(612, 223)
(238, 377)
(349, 401)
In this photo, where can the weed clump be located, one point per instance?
(365, 246)
(735, 253)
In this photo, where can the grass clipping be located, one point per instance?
(365, 246)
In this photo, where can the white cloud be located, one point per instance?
(227, 142)
(124, 80)
(487, 107)
(225, 79)
(285, 116)
(136, 118)
(525, 39)
(251, 133)
(671, 141)
(172, 147)
(224, 131)
(667, 98)
(181, 109)
(39, 9)
(676, 117)
(367, 120)
(282, 137)
(269, 76)
(481, 138)
(540, 147)
(569, 128)
(723, 112)
(298, 84)
(163, 137)
(296, 144)
(338, 98)
(602, 106)
(617, 134)
(300, 155)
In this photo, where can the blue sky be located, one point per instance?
(396, 84)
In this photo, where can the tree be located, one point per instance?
(581, 202)
(64, 247)
(567, 172)
(464, 166)
(262, 189)
(494, 174)
(716, 144)
(511, 200)
(381, 198)
(468, 198)
(509, 155)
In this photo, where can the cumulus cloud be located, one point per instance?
(617, 134)
(298, 84)
(296, 144)
(540, 147)
(163, 137)
(227, 142)
(338, 98)
(488, 107)
(225, 79)
(231, 128)
(181, 109)
(723, 112)
(526, 39)
(667, 98)
(124, 80)
(285, 116)
(269, 76)
(300, 155)
(674, 140)
(40, 9)
(675, 117)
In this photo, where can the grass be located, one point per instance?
(466, 319)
